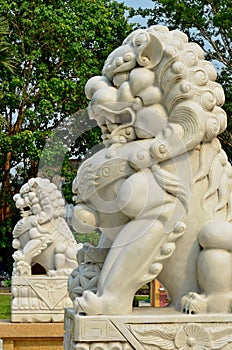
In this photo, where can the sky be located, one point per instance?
(136, 4)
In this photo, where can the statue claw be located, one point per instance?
(18, 255)
(193, 303)
(88, 303)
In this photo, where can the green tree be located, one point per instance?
(209, 23)
(6, 61)
(58, 45)
(6, 58)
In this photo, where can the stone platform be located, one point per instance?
(148, 329)
(31, 336)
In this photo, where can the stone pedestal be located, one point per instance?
(28, 336)
(39, 298)
(148, 329)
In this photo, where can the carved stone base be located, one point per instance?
(39, 298)
(148, 329)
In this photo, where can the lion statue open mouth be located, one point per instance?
(160, 190)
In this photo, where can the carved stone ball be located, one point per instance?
(84, 277)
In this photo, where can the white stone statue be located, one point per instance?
(160, 190)
(45, 254)
(42, 236)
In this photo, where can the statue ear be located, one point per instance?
(150, 50)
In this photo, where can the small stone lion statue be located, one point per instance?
(42, 236)
(160, 190)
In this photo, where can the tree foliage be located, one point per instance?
(58, 45)
(209, 23)
(6, 58)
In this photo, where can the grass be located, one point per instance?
(138, 298)
(91, 238)
(5, 310)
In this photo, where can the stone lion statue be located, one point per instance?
(160, 190)
(42, 236)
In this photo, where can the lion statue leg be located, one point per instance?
(31, 248)
(132, 259)
(214, 270)
(123, 268)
